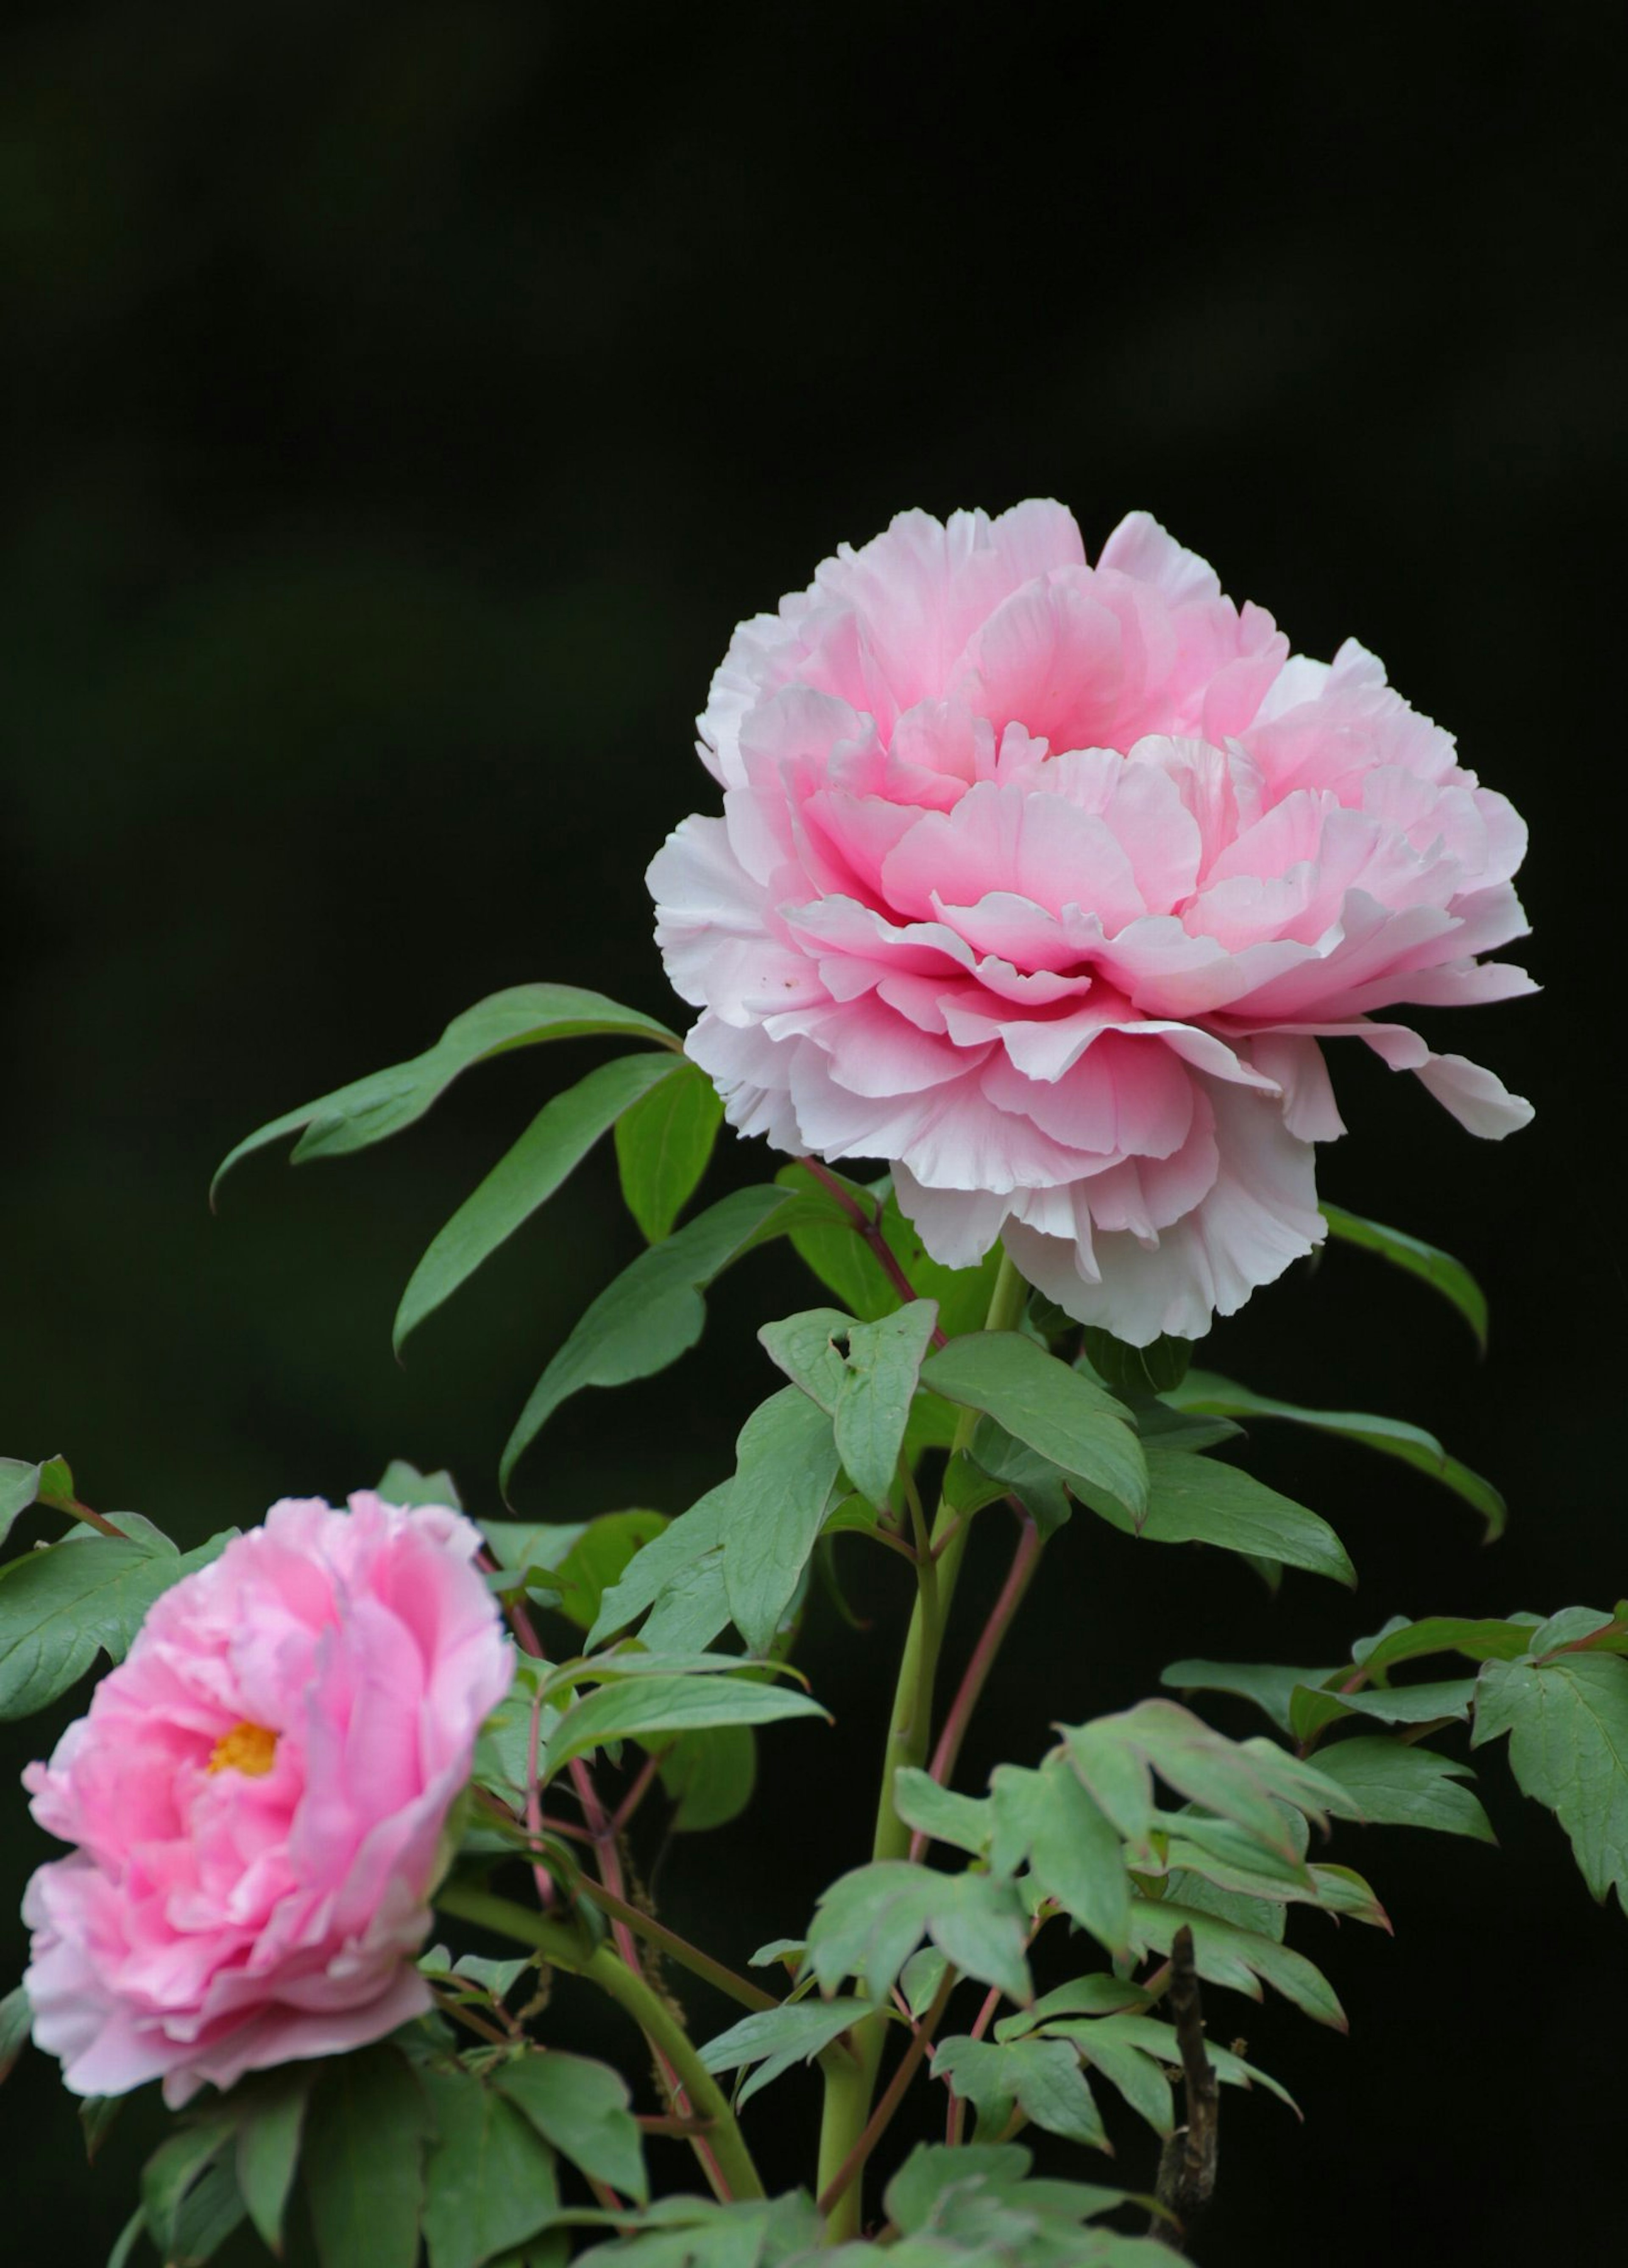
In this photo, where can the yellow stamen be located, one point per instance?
(248, 1749)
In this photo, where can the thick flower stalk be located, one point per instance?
(260, 1796)
(1044, 882)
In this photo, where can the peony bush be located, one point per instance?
(1036, 890)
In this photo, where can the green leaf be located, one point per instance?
(805, 1347)
(689, 2232)
(1390, 1704)
(364, 2161)
(1041, 2077)
(1269, 1684)
(978, 2197)
(1048, 1407)
(368, 1109)
(1574, 1627)
(1440, 1269)
(1117, 2045)
(129, 2237)
(653, 1313)
(663, 1147)
(581, 2108)
(1235, 1958)
(1405, 1641)
(209, 2212)
(404, 1483)
(62, 1606)
(1394, 1784)
(268, 2146)
(1133, 1370)
(1074, 1850)
(959, 1822)
(870, 1921)
(21, 1485)
(1196, 1500)
(1247, 1781)
(596, 1560)
(1013, 1470)
(680, 1575)
(776, 2038)
(488, 2179)
(528, 1175)
(173, 2174)
(98, 2114)
(920, 1978)
(636, 1707)
(711, 1776)
(1567, 1721)
(878, 1387)
(784, 1484)
(16, 2017)
(1203, 1391)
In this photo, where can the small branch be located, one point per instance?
(643, 1781)
(83, 1512)
(976, 1676)
(736, 2176)
(678, 1948)
(870, 1227)
(881, 2117)
(1187, 2166)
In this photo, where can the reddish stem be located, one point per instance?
(976, 1676)
(870, 1227)
(881, 2117)
(956, 2117)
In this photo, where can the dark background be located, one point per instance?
(404, 402)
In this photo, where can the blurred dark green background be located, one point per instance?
(402, 404)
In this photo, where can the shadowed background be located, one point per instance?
(404, 403)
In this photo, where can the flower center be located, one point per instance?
(247, 1748)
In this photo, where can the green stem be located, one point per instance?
(563, 1949)
(849, 2086)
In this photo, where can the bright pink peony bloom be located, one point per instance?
(1042, 882)
(259, 1795)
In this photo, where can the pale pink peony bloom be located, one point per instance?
(1042, 882)
(259, 1795)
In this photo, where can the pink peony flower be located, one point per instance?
(1044, 882)
(259, 1795)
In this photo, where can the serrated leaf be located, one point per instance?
(1392, 1705)
(1438, 1269)
(776, 2038)
(1197, 1500)
(878, 1387)
(581, 2108)
(1074, 1851)
(709, 1775)
(63, 1605)
(268, 2148)
(638, 1707)
(1235, 1958)
(784, 1484)
(1269, 1684)
(663, 1145)
(1041, 2077)
(1397, 1783)
(385, 1101)
(528, 1175)
(1404, 1641)
(1247, 1781)
(1050, 1408)
(870, 1921)
(1567, 1721)
(1104, 2043)
(488, 2177)
(363, 2161)
(963, 1823)
(654, 1310)
(1205, 1392)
